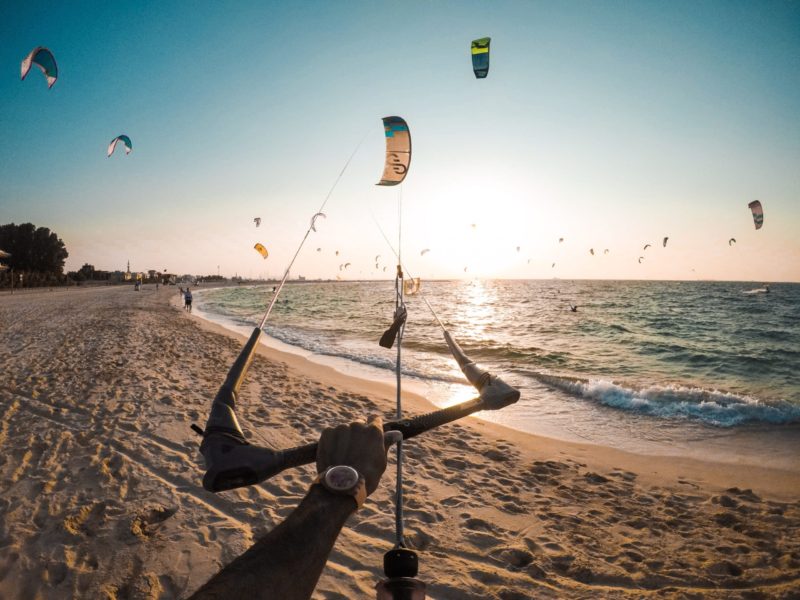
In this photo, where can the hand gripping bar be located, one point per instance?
(232, 462)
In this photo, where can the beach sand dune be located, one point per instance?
(101, 497)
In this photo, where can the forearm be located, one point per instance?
(287, 562)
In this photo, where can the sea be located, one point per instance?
(698, 369)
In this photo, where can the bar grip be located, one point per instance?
(307, 454)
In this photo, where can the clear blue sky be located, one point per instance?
(611, 124)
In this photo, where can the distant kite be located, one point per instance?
(646, 246)
(518, 247)
(412, 286)
(346, 265)
(758, 213)
(465, 269)
(384, 269)
(480, 57)
(257, 221)
(560, 240)
(605, 251)
(44, 59)
(319, 249)
(591, 251)
(126, 141)
(337, 253)
(553, 265)
(473, 225)
(377, 257)
(261, 250)
(314, 220)
(424, 252)
(665, 242)
(641, 258)
(731, 241)
(398, 151)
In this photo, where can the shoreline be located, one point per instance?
(362, 377)
(654, 467)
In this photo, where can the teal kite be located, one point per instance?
(44, 59)
(126, 141)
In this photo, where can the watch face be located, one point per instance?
(341, 478)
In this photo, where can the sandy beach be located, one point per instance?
(101, 497)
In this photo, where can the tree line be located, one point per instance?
(36, 253)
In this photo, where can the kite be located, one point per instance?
(44, 59)
(126, 141)
(758, 213)
(465, 269)
(424, 252)
(731, 241)
(480, 57)
(398, 151)
(553, 265)
(646, 246)
(473, 225)
(591, 251)
(337, 253)
(384, 269)
(261, 250)
(605, 251)
(518, 248)
(319, 249)
(560, 240)
(257, 221)
(377, 266)
(411, 286)
(641, 258)
(314, 220)
(346, 265)
(377, 256)
(665, 242)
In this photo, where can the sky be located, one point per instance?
(610, 124)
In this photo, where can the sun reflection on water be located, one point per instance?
(477, 309)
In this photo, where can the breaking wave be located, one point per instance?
(712, 407)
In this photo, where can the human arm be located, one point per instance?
(287, 562)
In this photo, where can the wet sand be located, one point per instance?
(100, 493)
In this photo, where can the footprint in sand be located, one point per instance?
(144, 524)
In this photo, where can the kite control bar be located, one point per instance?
(232, 462)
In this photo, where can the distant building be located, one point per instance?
(3, 254)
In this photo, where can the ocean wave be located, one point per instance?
(297, 338)
(712, 407)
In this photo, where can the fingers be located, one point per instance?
(333, 447)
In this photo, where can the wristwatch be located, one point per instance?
(344, 480)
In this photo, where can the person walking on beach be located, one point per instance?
(287, 562)
(187, 300)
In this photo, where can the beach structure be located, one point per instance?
(3, 254)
